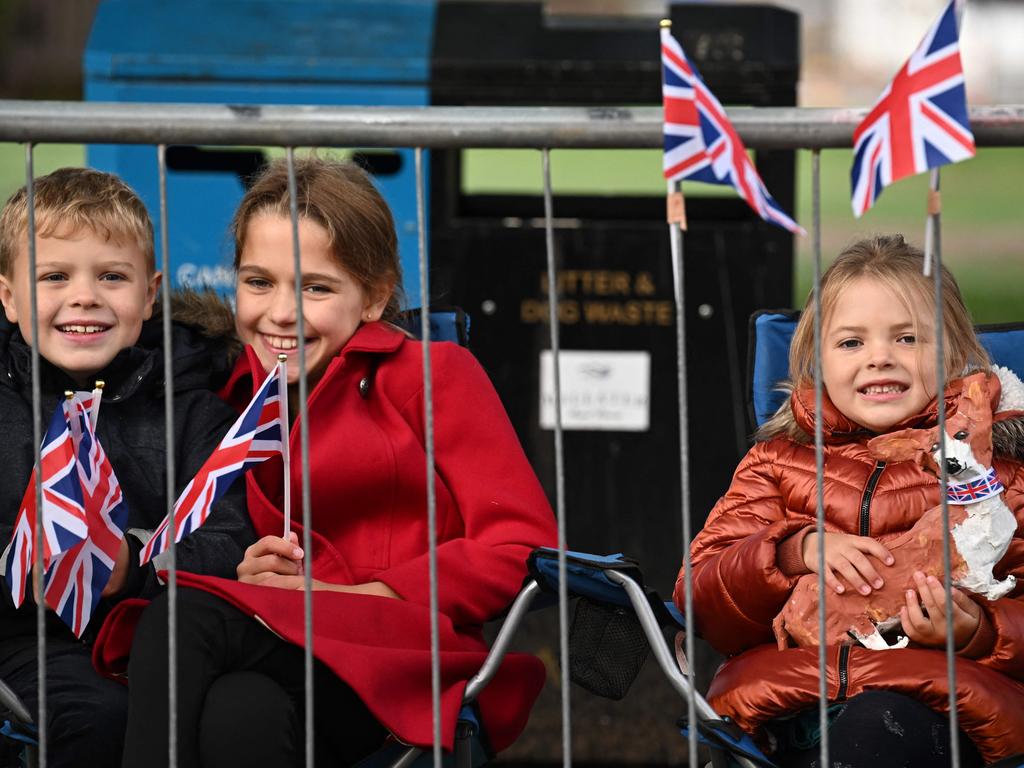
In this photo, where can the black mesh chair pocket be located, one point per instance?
(607, 648)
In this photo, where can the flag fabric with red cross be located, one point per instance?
(700, 142)
(919, 122)
(78, 576)
(255, 437)
(64, 520)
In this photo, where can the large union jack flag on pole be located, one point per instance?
(919, 122)
(253, 438)
(700, 142)
(64, 523)
(76, 580)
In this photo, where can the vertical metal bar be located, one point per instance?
(940, 392)
(563, 587)
(37, 439)
(171, 555)
(428, 431)
(307, 517)
(679, 286)
(819, 455)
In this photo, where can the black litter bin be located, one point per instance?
(617, 308)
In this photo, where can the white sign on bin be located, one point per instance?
(602, 390)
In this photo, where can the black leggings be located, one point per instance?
(881, 729)
(240, 694)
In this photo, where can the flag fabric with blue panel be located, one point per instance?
(64, 521)
(255, 437)
(700, 142)
(685, 153)
(78, 576)
(920, 120)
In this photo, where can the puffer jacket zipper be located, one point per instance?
(844, 671)
(865, 502)
(864, 530)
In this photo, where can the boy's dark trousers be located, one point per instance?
(86, 714)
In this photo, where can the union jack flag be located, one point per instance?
(78, 576)
(64, 523)
(700, 142)
(920, 120)
(253, 438)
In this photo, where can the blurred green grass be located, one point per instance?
(983, 201)
(45, 158)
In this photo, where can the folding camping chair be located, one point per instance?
(611, 593)
(17, 729)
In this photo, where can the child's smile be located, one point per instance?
(334, 303)
(878, 364)
(93, 295)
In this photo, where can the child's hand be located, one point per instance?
(848, 555)
(270, 557)
(928, 627)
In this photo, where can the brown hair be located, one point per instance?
(899, 266)
(70, 200)
(340, 197)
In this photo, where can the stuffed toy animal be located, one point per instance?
(981, 526)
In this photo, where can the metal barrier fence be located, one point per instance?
(441, 127)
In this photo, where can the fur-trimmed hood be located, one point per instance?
(795, 418)
(209, 313)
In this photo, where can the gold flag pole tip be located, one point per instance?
(282, 358)
(665, 23)
(69, 395)
(100, 384)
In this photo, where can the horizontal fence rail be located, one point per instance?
(440, 127)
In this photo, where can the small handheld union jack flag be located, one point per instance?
(700, 142)
(253, 438)
(64, 523)
(920, 120)
(76, 580)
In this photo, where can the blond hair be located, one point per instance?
(896, 264)
(71, 200)
(341, 198)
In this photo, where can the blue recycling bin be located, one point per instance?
(332, 52)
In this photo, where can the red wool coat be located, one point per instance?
(738, 587)
(368, 470)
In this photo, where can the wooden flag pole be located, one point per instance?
(76, 429)
(97, 396)
(675, 214)
(282, 395)
(932, 237)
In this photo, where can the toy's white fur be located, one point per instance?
(1012, 398)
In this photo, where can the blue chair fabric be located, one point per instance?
(771, 331)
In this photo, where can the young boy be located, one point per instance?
(96, 285)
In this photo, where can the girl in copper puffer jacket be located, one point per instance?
(887, 708)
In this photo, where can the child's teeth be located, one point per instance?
(82, 328)
(278, 342)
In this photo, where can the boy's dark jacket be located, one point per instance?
(131, 428)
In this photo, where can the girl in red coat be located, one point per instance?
(240, 658)
(887, 708)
